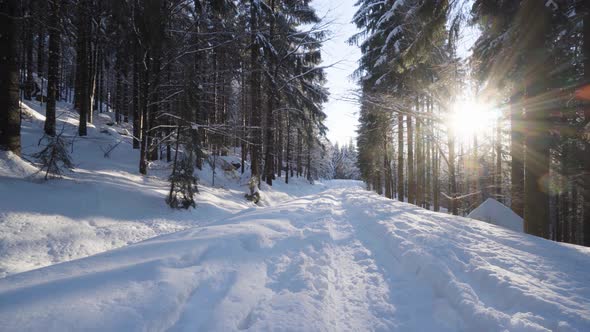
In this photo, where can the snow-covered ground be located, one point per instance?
(104, 203)
(324, 257)
(343, 259)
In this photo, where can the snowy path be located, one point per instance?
(340, 260)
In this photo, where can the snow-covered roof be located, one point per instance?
(494, 212)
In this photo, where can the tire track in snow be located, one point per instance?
(328, 271)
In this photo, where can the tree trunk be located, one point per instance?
(78, 72)
(517, 157)
(99, 83)
(573, 216)
(41, 46)
(126, 102)
(244, 149)
(10, 110)
(452, 175)
(411, 175)
(378, 183)
(118, 93)
(29, 86)
(419, 160)
(436, 182)
(562, 199)
(309, 175)
(299, 152)
(280, 144)
(268, 158)
(387, 170)
(288, 161)
(136, 92)
(498, 177)
(428, 158)
(586, 159)
(93, 55)
(475, 185)
(200, 116)
(153, 145)
(536, 156)
(268, 137)
(83, 55)
(255, 99)
(400, 157)
(144, 116)
(52, 67)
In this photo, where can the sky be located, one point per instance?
(342, 113)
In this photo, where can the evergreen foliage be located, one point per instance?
(243, 73)
(183, 184)
(54, 158)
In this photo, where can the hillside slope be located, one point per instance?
(103, 203)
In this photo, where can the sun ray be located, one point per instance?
(470, 118)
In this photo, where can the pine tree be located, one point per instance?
(228, 72)
(54, 158)
(396, 38)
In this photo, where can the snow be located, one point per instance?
(496, 213)
(103, 203)
(101, 251)
(340, 259)
(12, 166)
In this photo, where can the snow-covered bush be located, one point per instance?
(254, 195)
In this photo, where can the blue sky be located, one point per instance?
(342, 113)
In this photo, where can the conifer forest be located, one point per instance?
(510, 122)
(295, 165)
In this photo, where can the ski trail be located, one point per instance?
(475, 280)
(419, 307)
(321, 270)
(343, 259)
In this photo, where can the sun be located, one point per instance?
(469, 118)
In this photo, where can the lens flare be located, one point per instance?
(470, 118)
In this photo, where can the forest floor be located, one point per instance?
(103, 203)
(325, 257)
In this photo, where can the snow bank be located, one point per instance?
(494, 212)
(12, 166)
